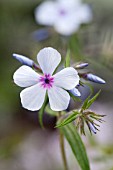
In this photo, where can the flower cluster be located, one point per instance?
(90, 118)
(83, 116)
(50, 91)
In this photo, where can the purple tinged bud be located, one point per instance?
(75, 92)
(24, 60)
(92, 128)
(41, 34)
(94, 78)
(81, 66)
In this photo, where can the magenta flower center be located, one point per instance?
(62, 12)
(47, 81)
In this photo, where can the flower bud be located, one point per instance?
(41, 34)
(75, 92)
(24, 60)
(81, 66)
(94, 78)
(92, 127)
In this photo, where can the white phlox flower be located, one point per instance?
(64, 15)
(32, 97)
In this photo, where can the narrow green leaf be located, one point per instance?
(41, 111)
(84, 106)
(67, 60)
(68, 120)
(90, 102)
(76, 145)
(71, 116)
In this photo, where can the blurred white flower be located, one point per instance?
(32, 98)
(64, 15)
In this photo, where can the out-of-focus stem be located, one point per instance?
(62, 147)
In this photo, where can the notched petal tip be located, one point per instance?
(48, 59)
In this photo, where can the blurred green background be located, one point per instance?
(23, 145)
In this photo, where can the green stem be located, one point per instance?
(41, 112)
(62, 147)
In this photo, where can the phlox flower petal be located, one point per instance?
(84, 14)
(67, 25)
(46, 13)
(48, 59)
(58, 98)
(67, 78)
(25, 76)
(33, 97)
(69, 4)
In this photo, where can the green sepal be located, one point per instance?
(77, 146)
(91, 101)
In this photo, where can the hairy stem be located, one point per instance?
(62, 147)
